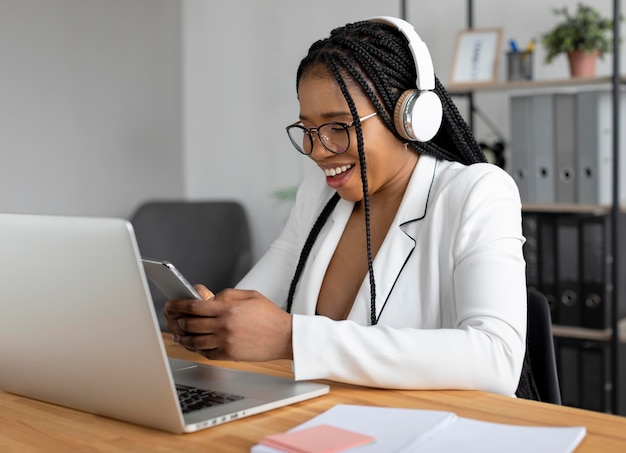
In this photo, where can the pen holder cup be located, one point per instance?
(519, 66)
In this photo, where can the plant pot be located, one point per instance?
(582, 64)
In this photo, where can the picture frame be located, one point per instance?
(476, 56)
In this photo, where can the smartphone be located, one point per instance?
(169, 280)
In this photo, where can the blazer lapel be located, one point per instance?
(400, 241)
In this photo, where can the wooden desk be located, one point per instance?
(32, 426)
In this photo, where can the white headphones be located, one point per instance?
(418, 113)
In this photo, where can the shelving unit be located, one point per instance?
(465, 89)
(616, 80)
(583, 333)
(615, 335)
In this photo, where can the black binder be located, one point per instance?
(584, 373)
(569, 311)
(596, 259)
(547, 251)
(530, 229)
(595, 262)
(568, 367)
(595, 372)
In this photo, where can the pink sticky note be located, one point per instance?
(317, 439)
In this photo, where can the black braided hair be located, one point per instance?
(375, 59)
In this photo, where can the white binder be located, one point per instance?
(532, 143)
(594, 131)
(565, 147)
(521, 154)
(542, 146)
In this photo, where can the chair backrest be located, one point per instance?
(541, 348)
(208, 241)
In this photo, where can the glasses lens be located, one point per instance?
(335, 137)
(300, 138)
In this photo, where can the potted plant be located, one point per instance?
(583, 36)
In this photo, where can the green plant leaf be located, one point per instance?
(585, 30)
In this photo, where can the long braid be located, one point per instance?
(375, 58)
(366, 195)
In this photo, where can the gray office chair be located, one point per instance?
(208, 241)
(540, 348)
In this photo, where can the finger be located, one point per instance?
(234, 295)
(204, 292)
(186, 307)
(171, 322)
(170, 311)
(197, 325)
(177, 339)
(214, 354)
(178, 308)
(173, 328)
(197, 342)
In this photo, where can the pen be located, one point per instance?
(513, 45)
(531, 46)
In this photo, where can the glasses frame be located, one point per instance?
(309, 133)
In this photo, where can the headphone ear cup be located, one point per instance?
(417, 115)
(399, 114)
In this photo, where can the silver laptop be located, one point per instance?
(79, 330)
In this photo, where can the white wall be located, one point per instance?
(90, 105)
(106, 103)
(240, 65)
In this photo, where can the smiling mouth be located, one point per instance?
(338, 170)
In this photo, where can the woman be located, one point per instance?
(401, 263)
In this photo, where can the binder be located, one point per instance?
(594, 156)
(565, 147)
(530, 230)
(596, 259)
(595, 268)
(569, 311)
(594, 136)
(521, 153)
(542, 164)
(583, 367)
(547, 262)
(532, 144)
(595, 372)
(568, 368)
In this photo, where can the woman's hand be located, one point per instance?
(232, 325)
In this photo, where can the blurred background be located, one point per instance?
(105, 104)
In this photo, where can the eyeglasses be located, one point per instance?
(334, 136)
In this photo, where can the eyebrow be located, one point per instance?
(329, 115)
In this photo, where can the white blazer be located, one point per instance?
(450, 285)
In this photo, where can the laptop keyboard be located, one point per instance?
(193, 398)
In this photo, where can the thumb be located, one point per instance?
(204, 292)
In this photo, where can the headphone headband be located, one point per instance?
(421, 56)
(418, 112)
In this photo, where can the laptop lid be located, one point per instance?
(82, 332)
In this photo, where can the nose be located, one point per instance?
(318, 151)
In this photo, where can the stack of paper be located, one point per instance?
(409, 430)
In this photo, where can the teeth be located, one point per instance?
(338, 170)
